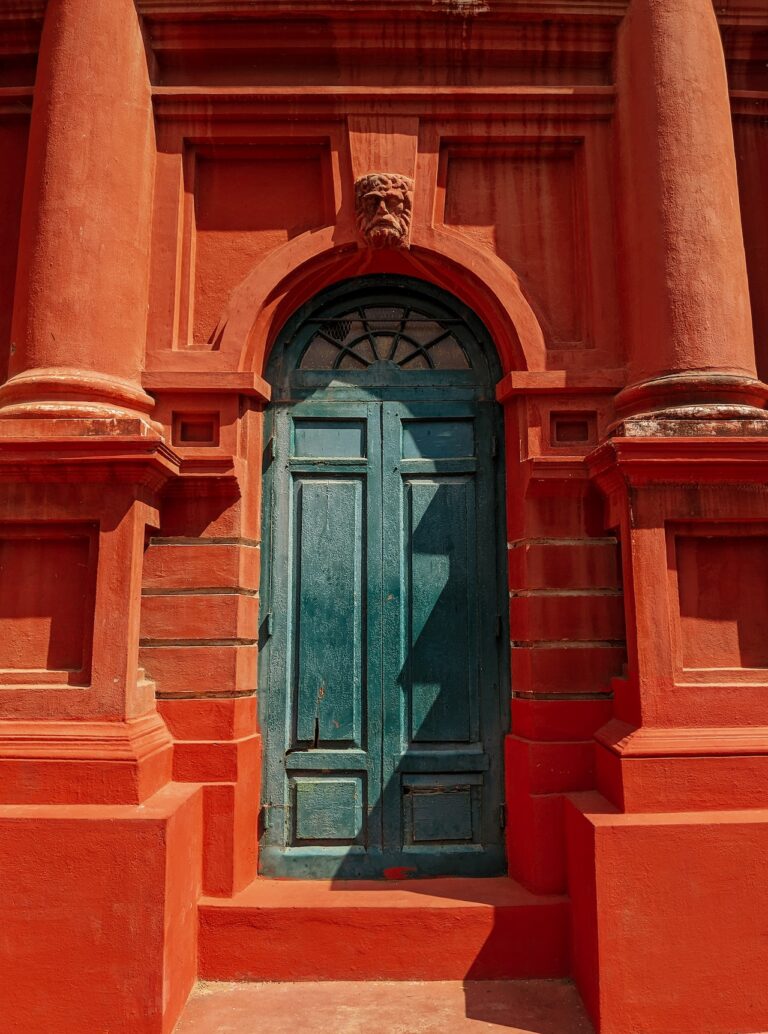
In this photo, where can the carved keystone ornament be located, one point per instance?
(383, 203)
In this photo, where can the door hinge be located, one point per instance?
(270, 451)
(494, 446)
(267, 626)
(499, 626)
(502, 816)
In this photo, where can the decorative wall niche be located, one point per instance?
(722, 592)
(574, 429)
(248, 201)
(47, 592)
(524, 201)
(195, 430)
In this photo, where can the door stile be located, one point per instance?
(309, 768)
(460, 772)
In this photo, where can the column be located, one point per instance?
(686, 296)
(79, 321)
(662, 859)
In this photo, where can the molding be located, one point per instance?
(31, 453)
(170, 382)
(459, 10)
(559, 382)
(23, 9)
(557, 468)
(134, 740)
(748, 104)
(16, 101)
(626, 741)
(680, 461)
(748, 14)
(223, 103)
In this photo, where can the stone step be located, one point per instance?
(438, 929)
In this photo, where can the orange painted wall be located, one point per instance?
(569, 191)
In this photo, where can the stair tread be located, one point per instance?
(447, 892)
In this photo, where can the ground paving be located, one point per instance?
(440, 1007)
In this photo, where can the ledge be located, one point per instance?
(628, 742)
(166, 382)
(559, 382)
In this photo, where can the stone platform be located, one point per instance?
(359, 1007)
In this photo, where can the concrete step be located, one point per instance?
(440, 929)
(445, 1007)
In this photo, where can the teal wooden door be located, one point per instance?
(382, 634)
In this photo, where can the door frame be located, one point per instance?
(435, 391)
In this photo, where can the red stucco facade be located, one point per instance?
(589, 178)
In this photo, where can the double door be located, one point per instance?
(382, 631)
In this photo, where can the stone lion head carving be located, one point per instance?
(383, 203)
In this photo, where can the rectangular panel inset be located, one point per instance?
(249, 201)
(440, 663)
(342, 439)
(573, 428)
(438, 439)
(540, 229)
(723, 593)
(47, 581)
(329, 601)
(195, 429)
(442, 809)
(327, 809)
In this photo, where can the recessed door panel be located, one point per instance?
(440, 674)
(328, 600)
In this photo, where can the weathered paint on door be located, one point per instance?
(382, 644)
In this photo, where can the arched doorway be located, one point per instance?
(383, 630)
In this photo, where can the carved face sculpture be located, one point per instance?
(383, 204)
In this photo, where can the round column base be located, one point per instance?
(61, 393)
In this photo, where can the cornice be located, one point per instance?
(705, 460)
(16, 101)
(22, 10)
(269, 103)
(159, 382)
(127, 459)
(98, 741)
(626, 741)
(559, 382)
(749, 104)
(744, 13)
(401, 9)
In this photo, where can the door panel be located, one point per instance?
(321, 672)
(440, 593)
(383, 728)
(328, 595)
(442, 741)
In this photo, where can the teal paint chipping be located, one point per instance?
(383, 681)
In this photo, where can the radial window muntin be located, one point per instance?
(373, 333)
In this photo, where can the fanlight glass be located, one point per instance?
(371, 334)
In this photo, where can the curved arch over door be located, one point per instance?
(265, 300)
(384, 650)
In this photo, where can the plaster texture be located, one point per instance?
(405, 1007)
(587, 178)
